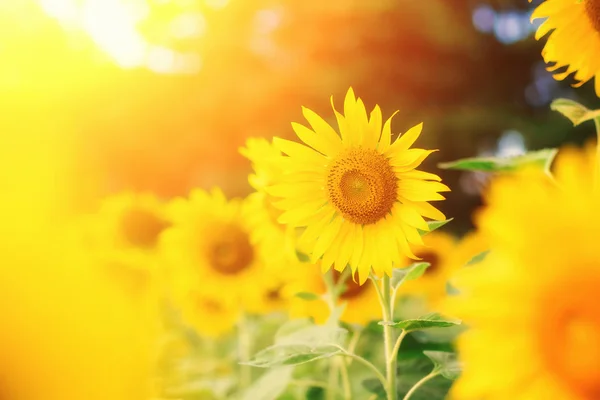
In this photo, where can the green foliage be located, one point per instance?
(433, 225)
(412, 272)
(304, 345)
(478, 258)
(574, 111)
(445, 363)
(432, 320)
(540, 159)
(270, 385)
(307, 296)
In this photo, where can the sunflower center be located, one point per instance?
(432, 258)
(592, 9)
(142, 228)
(570, 336)
(362, 185)
(230, 252)
(211, 306)
(352, 289)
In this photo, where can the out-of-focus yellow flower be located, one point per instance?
(446, 256)
(278, 240)
(362, 302)
(67, 332)
(574, 40)
(215, 269)
(359, 196)
(123, 236)
(534, 325)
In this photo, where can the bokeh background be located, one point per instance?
(159, 95)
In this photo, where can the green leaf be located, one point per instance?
(290, 327)
(574, 111)
(302, 257)
(306, 344)
(410, 273)
(307, 296)
(478, 258)
(433, 320)
(291, 354)
(445, 363)
(313, 335)
(270, 385)
(433, 225)
(540, 159)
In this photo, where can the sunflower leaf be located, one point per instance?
(432, 320)
(291, 354)
(539, 159)
(445, 363)
(270, 385)
(433, 225)
(478, 258)
(574, 111)
(307, 296)
(305, 344)
(410, 273)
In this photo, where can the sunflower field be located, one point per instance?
(299, 200)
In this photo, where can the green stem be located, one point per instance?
(345, 380)
(244, 349)
(417, 385)
(332, 381)
(353, 343)
(364, 362)
(388, 340)
(398, 343)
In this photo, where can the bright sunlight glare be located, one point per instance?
(113, 26)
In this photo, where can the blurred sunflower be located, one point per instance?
(446, 256)
(124, 234)
(362, 302)
(67, 332)
(535, 328)
(575, 38)
(274, 237)
(359, 196)
(440, 252)
(214, 268)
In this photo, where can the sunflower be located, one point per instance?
(124, 234)
(209, 255)
(359, 196)
(446, 256)
(575, 38)
(278, 239)
(362, 302)
(535, 327)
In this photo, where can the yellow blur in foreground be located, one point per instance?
(67, 331)
(534, 324)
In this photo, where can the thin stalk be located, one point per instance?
(364, 362)
(398, 343)
(244, 349)
(388, 339)
(332, 381)
(353, 343)
(417, 385)
(345, 380)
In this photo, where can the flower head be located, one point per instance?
(534, 326)
(575, 38)
(214, 268)
(359, 196)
